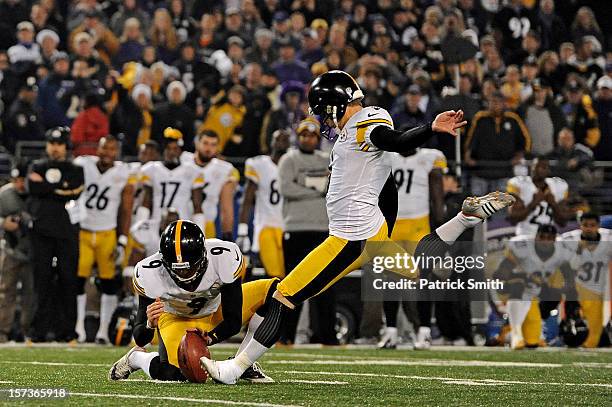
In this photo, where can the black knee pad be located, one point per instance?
(270, 330)
(109, 286)
(261, 311)
(165, 371)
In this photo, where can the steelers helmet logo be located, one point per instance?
(53, 175)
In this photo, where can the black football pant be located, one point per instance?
(55, 287)
(296, 246)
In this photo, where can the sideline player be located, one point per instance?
(221, 180)
(360, 170)
(192, 282)
(591, 246)
(418, 177)
(529, 265)
(262, 189)
(170, 184)
(540, 199)
(108, 198)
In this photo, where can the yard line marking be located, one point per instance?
(54, 363)
(445, 379)
(473, 383)
(6, 382)
(593, 364)
(314, 382)
(154, 381)
(421, 362)
(190, 400)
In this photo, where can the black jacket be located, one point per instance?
(180, 117)
(63, 181)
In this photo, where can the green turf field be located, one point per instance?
(330, 377)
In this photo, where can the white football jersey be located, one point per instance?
(102, 196)
(146, 233)
(592, 267)
(523, 187)
(412, 180)
(135, 169)
(262, 171)
(216, 173)
(171, 188)
(225, 265)
(522, 250)
(359, 171)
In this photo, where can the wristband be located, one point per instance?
(122, 240)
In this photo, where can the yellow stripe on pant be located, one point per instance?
(332, 260)
(172, 327)
(210, 230)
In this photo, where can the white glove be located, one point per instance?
(242, 240)
(120, 250)
(200, 220)
(142, 213)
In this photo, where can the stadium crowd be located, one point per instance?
(534, 79)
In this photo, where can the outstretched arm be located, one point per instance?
(392, 140)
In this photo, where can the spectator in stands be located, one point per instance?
(50, 102)
(288, 68)
(553, 29)
(311, 51)
(512, 87)
(16, 263)
(103, 39)
(542, 117)
(133, 116)
(128, 9)
(25, 55)
(373, 86)
(11, 13)
(573, 160)
(496, 141)
(132, 43)
(48, 41)
(548, 65)
(39, 16)
(262, 51)
(233, 26)
(83, 44)
(251, 18)
(530, 47)
(90, 125)
(22, 121)
(288, 115)
(282, 29)
(337, 42)
(410, 115)
(583, 62)
(163, 36)
(174, 113)
(585, 24)
(224, 117)
(603, 107)
(581, 117)
(512, 23)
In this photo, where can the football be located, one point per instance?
(192, 347)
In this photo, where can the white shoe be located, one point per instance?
(483, 207)
(121, 369)
(423, 338)
(389, 339)
(225, 371)
(81, 336)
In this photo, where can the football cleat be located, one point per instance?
(484, 206)
(255, 374)
(423, 341)
(517, 344)
(226, 371)
(121, 369)
(101, 341)
(389, 339)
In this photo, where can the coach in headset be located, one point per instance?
(55, 183)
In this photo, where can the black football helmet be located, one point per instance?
(183, 253)
(574, 331)
(59, 134)
(328, 97)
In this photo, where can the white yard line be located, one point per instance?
(314, 382)
(6, 382)
(23, 362)
(445, 379)
(185, 399)
(417, 362)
